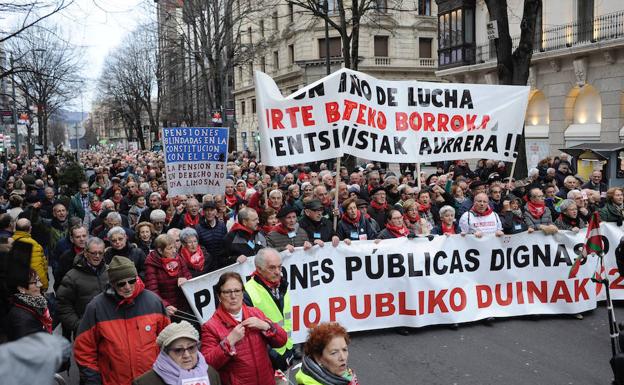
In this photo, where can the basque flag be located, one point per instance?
(593, 245)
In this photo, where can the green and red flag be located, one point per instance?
(593, 245)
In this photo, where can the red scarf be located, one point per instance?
(189, 221)
(379, 206)
(171, 266)
(487, 212)
(408, 220)
(267, 229)
(227, 319)
(195, 260)
(424, 208)
(448, 229)
(45, 318)
(237, 226)
(536, 209)
(230, 200)
(398, 232)
(78, 250)
(268, 284)
(138, 288)
(574, 222)
(355, 222)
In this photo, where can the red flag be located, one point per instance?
(593, 244)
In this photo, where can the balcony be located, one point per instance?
(398, 62)
(382, 61)
(575, 34)
(427, 62)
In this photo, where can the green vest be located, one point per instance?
(263, 300)
(304, 379)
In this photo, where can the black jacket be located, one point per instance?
(354, 233)
(322, 230)
(241, 242)
(132, 252)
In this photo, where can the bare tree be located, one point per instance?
(52, 73)
(513, 64)
(57, 131)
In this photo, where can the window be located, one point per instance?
(275, 21)
(249, 35)
(253, 106)
(455, 36)
(537, 39)
(585, 19)
(240, 74)
(276, 60)
(291, 54)
(250, 69)
(242, 107)
(424, 7)
(262, 28)
(335, 47)
(381, 5)
(381, 46)
(424, 48)
(263, 64)
(291, 12)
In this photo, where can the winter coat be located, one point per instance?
(533, 222)
(470, 223)
(79, 286)
(610, 213)
(22, 320)
(38, 261)
(65, 264)
(247, 362)
(279, 241)
(212, 238)
(75, 205)
(132, 252)
(210, 263)
(161, 283)
(151, 378)
(513, 224)
(322, 230)
(380, 216)
(239, 242)
(354, 233)
(564, 224)
(116, 340)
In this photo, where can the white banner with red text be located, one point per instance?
(350, 112)
(436, 280)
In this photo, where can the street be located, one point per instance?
(550, 350)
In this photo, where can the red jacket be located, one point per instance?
(116, 339)
(247, 363)
(161, 283)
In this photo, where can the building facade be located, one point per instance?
(289, 45)
(576, 74)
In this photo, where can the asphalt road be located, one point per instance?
(550, 350)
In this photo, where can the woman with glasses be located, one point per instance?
(197, 259)
(235, 339)
(395, 227)
(29, 312)
(179, 361)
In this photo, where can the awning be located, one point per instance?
(536, 131)
(590, 131)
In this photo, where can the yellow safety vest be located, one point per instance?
(263, 300)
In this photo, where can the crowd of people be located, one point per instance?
(107, 255)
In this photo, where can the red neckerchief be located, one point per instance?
(230, 200)
(189, 221)
(78, 250)
(138, 288)
(280, 228)
(369, 188)
(116, 200)
(448, 229)
(536, 209)
(227, 318)
(196, 259)
(96, 206)
(267, 229)
(488, 211)
(354, 222)
(397, 231)
(268, 284)
(171, 266)
(237, 226)
(327, 202)
(574, 222)
(378, 206)
(424, 208)
(407, 219)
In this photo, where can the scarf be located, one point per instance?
(487, 211)
(517, 213)
(447, 229)
(574, 222)
(379, 206)
(171, 266)
(276, 208)
(172, 374)
(280, 228)
(190, 221)
(138, 288)
(536, 209)
(96, 206)
(355, 222)
(267, 229)
(409, 220)
(398, 232)
(318, 373)
(38, 306)
(424, 208)
(230, 200)
(195, 260)
(78, 250)
(248, 233)
(270, 285)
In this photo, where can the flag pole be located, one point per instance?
(336, 188)
(511, 175)
(418, 175)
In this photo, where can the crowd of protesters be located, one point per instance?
(118, 247)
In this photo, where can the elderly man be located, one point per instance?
(120, 246)
(244, 240)
(189, 217)
(536, 214)
(595, 183)
(267, 290)
(154, 203)
(288, 234)
(80, 203)
(158, 218)
(113, 219)
(378, 209)
(48, 203)
(116, 338)
(81, 284)
(569, 183)
(481, 218)
(318, 228)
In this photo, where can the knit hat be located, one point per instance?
(121, 268)
(173, 331)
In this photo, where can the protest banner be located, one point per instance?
(419, 282)
(195, 159)
(349, 112)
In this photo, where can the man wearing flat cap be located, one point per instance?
(116, 339)
(318, 228)
(288, 234)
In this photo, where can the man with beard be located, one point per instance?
(318, 228)
(288, 234)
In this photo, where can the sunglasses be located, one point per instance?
(121, 284)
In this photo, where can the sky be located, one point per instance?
(99, 26)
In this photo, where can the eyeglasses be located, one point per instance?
(235, 292)
(180, 351)
(34, 282)
(121, 284)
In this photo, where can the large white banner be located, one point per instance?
(195, 159)
(349, 112)
(419, 282)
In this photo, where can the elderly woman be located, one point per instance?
(119, 245)
(165, 271)
(613, 210)
(412, 220)
(235, 339)
(569, 219)
(448, 224)
(513, 218)
(354, 225)
(326, 355)
(268, 221)
(29, 311)
(197, 259)
(179, 361)
(395, 227)
(145, 234)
